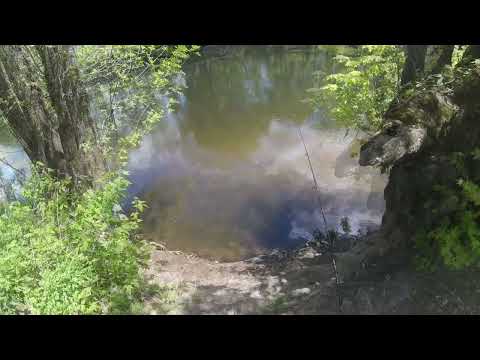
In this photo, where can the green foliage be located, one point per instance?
(455, 241)
(360, 94)
(68, 253)
(457, 54)
(126, 83)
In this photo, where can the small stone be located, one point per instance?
(256, 295)
(307, 253)
(283, 281)
(317, 283)
(303, 291)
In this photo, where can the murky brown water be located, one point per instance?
(226, 176)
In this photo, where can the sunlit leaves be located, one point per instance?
(69, 253)
(360, 93)
(127, 84)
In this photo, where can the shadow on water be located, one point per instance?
(226, 176)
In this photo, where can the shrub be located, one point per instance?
(67, 253)
(360, 94)
(455, 242)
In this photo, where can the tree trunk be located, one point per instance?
(414, 63)
(440, 56)
(46, 106)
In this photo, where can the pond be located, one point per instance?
(226, 175)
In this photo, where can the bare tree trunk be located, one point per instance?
(414, 64)
(441, 56)
(46, 106)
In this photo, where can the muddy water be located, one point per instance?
(226, 175)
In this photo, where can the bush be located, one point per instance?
(455, 242)
(68, 253)
(359, 95)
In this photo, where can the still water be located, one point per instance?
(226, 176)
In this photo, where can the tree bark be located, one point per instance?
(441, 56)
(46, 106)
(414, 63)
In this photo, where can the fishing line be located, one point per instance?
(317, 190)
(315, 186)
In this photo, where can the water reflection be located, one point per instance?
(241, 95)
(12, 160)
(226, 175)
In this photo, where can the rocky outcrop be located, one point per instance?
(414, 122)
(454, 127)
(422, 130)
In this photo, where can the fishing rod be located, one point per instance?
(313, 176)
(337, 281)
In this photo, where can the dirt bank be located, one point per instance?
(302, 281)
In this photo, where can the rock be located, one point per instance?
(303, 291)
(306, 253)
(283, 281)
(256, 295)
(411, 123)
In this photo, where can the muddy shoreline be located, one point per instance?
(300, 282)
